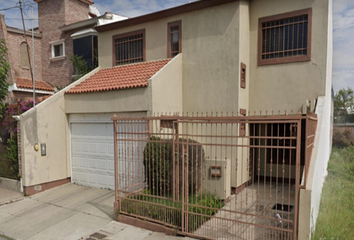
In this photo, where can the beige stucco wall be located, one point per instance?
(287, 86)
(163, 94)
(210, 63)
(46, 123)
(210, 59)
(166, 88)
(210, 73)
(310, 197)
(243, 93)
(137, 99)
(244, 55)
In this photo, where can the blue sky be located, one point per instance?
(343, 27)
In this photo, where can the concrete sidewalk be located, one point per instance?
(68, 212)
(7, 196)
(119, 231)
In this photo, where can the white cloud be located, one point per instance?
(341, 5)
(343, 79)
(13, 16)
(134, 8)
(343, 42)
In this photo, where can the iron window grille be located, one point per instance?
(129, 48)
(174, 37)
(285, 38)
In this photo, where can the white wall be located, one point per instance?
(46, 123)
(310, 197)
(166, 88)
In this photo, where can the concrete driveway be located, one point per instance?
(69, 212)
(66, 212)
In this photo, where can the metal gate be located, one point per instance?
(212, 177)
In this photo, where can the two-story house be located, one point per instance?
(231, 56)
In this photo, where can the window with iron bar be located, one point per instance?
(174, 37)
(129, 48)
(285, 38)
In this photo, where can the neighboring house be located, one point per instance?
(65, 28)
(206, 56)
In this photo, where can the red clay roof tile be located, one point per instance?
(27, 83)
(121, 77)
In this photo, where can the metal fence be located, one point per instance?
(212, 177)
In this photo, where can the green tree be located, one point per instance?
(343, 98)
(343, 101)
(4, 70)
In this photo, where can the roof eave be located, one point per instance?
(86, 23)
(14, 87)
(19, 31)
(163, 14)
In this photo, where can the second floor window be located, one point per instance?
(129, 48)
(58, 49)
(174, 45)
(285, 38)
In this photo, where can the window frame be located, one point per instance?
(169, 26)
(128, 34)
(56, 43)
(292, 59)
(243, 75)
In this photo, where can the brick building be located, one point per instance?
(61, 24)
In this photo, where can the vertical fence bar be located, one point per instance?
(269, 142)
(297, 177)
(115, 166)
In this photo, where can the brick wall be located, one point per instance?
(75, 11)
(53, 14)
(13, 44)
(3, 35)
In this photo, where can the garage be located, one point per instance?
(90, 105)
(92, 152)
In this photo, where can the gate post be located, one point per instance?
(175, 164)
(116, 205)
(297, 178)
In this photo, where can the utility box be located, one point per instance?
(218, 177)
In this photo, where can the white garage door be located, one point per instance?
(92, 154)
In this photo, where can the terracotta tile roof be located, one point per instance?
(27, 83)
(121, 77)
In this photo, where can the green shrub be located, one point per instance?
(81, 66)
(196, 159)
(158, 164)
(170, 212)
(342, 139)
(12, 152)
